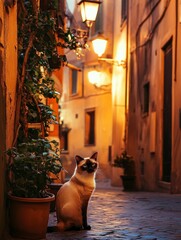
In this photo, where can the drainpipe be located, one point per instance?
(83, 79)
(126, 79)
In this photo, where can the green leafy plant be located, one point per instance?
(126, 162)
(40, 36)
(30, 165)
(38, 56)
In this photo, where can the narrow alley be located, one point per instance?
(81, 78)
(115, 214)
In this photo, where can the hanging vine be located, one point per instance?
(40, 33)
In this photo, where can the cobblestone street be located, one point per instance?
(114, 214)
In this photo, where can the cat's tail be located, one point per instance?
(65, 226)
(61, 226)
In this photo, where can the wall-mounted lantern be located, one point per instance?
(94, 77)
(89, 9)
(99, 79)
(99, 47)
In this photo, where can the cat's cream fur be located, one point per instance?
(73, 197)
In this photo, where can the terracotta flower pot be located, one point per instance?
(28, 217)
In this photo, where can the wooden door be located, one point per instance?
(167, 113)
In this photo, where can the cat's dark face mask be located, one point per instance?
(89, 166)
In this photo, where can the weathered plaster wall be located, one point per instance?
(8, 72)
(73, 113)
(73, 108)
(147, 66)
(176, 174)
(2, 122)
(118, 87)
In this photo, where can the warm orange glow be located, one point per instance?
(98, 78)
(94, 77)
(99, 45)
(121, 49)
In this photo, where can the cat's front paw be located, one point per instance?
(87, 227)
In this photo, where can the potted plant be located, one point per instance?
(32, 156)
(126, 162)
(29, 167)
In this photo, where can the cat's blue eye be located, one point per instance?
(84, 166)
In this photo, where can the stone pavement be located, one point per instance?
(115, 214)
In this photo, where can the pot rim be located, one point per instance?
(49, 198)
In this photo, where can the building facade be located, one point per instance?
(154, 86)
(86, 109)
(144, 104)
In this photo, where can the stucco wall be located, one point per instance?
(176, 177)
(144, 35)
(73, 109)
(119, 85)
(8, 72)
(73, 113)
(2, 122)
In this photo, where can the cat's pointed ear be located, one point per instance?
(94, 156)
(78, 159)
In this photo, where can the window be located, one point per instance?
(64, 141)
(74, 82)
(90, 127)
(64, 131)
(123, 11)
(146, 89)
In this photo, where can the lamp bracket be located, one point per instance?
(114, 62)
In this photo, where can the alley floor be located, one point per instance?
(115, 214)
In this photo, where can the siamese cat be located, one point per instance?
(73, 197)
